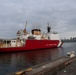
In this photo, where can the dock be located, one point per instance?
(51, 67)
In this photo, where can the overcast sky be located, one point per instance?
(61, 15)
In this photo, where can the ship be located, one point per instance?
(34, 40)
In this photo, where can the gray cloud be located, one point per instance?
(61, 14)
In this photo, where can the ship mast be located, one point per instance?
(25, 24)
(48, 28)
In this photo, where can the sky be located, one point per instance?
(61, 15)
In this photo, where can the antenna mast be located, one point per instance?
(48, 24)
(25, 24)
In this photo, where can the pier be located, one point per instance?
(51, 67)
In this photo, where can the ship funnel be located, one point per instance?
(48, 28)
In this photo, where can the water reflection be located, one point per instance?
(31, 58)
(16, 61)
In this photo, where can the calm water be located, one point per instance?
(11, 62)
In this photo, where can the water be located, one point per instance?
(12, 62)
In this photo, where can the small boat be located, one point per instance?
(31, 41)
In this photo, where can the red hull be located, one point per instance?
(33, 45)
